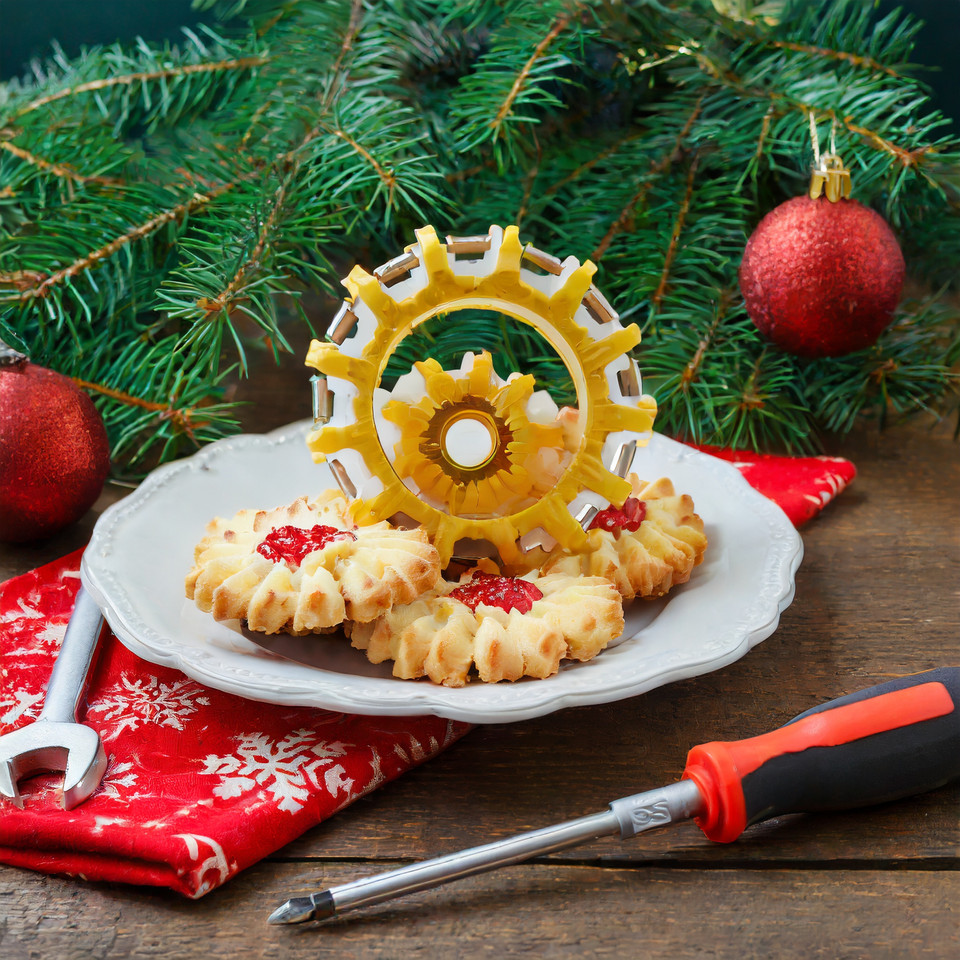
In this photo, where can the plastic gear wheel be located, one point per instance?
(494, 272)
(471, 443)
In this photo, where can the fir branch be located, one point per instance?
(21, 279)
(57, 169)
(529, 179)
(868, 63)
(782, 103)
(522, 78)
(183, 419)
(588, 165)
(387, 177)
(338, 79)
(224, 301)
(516, 80)
(354, 124)
(675, 236)
(657, 166)
(691, 371)
(906, 158)
(353, 28)
(466, 173)
(171, 73)
(762, 138)
(90, 260)
(912, 368)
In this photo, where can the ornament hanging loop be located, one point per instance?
(829, 175)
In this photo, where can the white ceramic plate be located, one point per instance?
(142, 547)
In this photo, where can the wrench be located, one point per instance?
(56, 740)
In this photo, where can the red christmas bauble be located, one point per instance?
(822, 278)
(54, 455)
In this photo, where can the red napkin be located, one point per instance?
(802, 486)
(201, 784)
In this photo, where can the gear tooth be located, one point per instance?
(445, 537)
(567, 299)
(433, 253)
(564, 528)
(387, 502)
(480, 375)
(510, 253)
(597, 354)
(405, 461)
(517, 391)
(330, 439)
(440, 386)
(428, 367)
(455, 497)
(328, 360)
(494, 494)
(396, 412)
(361, 512)
(316, 350)
(367, 288)
(471, 499)
(595, 476)
(506, 546)
(617, 416)
(518, 484)
(425, 473)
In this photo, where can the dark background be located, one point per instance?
(28, 26)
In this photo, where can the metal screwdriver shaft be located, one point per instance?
(897, 739)
(627, 817)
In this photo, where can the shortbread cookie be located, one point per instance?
(504, 626)
(305, 568)
(645, 548)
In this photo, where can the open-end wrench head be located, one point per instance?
(51, 745)
(8, 784)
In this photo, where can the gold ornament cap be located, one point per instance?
(830, 177)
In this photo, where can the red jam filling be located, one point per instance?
(294, 543)
(507, 593)
(628, 517)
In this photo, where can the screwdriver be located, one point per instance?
(893, 740)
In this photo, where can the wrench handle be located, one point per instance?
(69, 677)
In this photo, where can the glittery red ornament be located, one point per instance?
(54, 456)
(822, 278)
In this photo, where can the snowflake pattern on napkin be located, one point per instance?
(199, 783)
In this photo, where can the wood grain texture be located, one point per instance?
(538, 910)
(878, 595)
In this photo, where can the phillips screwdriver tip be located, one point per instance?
(318, 906)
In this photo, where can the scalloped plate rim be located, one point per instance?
(270, 680)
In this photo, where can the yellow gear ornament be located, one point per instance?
(460, 463)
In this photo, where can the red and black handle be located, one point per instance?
(893, 740)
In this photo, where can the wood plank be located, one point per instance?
(491, 785)
(544, 910)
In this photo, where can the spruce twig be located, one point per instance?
(163, 207)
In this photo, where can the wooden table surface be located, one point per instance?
(877, 597)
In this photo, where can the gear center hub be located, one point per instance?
(469, 440)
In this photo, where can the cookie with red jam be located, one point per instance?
(305, 568)
(645, 547)
(495, 628)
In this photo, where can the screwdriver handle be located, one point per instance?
(894, 740)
